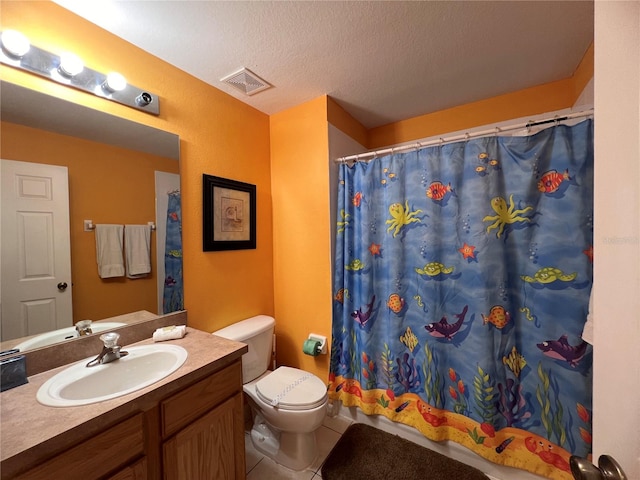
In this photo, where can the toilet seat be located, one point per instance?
(289, 388)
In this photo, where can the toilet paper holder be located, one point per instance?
(322, 349)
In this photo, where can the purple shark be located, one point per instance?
(363, 317)
(442, 329)
(561, 350)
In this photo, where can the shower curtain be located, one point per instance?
(173, 298)
(462, 281)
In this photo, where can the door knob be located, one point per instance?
(62, 286)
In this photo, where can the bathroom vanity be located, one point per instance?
(189, 425)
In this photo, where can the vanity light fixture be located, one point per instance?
(70, 65)
(114, 82)
(68, 69)
(14, 43)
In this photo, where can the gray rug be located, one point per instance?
(367, 453)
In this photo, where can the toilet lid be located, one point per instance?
(291, 389)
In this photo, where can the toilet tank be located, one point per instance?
(257, 333)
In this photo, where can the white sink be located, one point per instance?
(81, 385)
(62, 334)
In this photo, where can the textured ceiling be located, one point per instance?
(382, 61)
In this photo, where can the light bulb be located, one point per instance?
(15, 43)
(70, 65)
(114, 82)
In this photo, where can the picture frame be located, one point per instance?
(229, 214)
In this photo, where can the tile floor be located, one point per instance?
(260, 467)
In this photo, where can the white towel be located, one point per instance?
(137, 248)
(171, 332)
(587, 332)
(109, 250)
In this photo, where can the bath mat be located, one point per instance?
(367, 453)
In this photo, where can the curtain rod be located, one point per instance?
(465, 136)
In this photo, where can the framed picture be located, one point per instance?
(229, 214)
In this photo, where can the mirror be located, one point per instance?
(119, 172)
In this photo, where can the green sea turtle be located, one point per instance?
(549, 275)
(355, 265)
(434, 269)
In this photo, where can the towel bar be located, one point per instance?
(89, 226)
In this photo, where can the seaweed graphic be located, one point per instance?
(387, 368)
(345, 223)
(433, 381)
(336, 353)
(479, 439)
(512, 404)
(369, 371)
(407, 373)
(552, 421)
(485, 395)
(355, 359)
(457, 393)
(585, 433)
(383, 401)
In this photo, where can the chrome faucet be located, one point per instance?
(111, 350)
(83, 327)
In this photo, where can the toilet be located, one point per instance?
(288, 405)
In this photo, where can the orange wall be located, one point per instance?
(104, 182)
(220, 287)
(302, 242)
(530, 101)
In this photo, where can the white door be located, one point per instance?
(36, 253)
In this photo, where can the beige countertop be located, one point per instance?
(30, 430)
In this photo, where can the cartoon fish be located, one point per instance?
(498, 316)
(481, 170)
(363, 317)
(340, 295)
(357, 199)
(442, 329)
(561, 350)
(169, 281)
(173, 216)
(395, 303)
(437, 190)
(494, 163)
(175, 253)
(409, 339)
(551, 180)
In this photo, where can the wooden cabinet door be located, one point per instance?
(96, 456)
(137, 471)
(207, 449)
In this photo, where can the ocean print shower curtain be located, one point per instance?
(173, 296)
(462, 281)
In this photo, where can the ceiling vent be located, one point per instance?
(246, 81)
